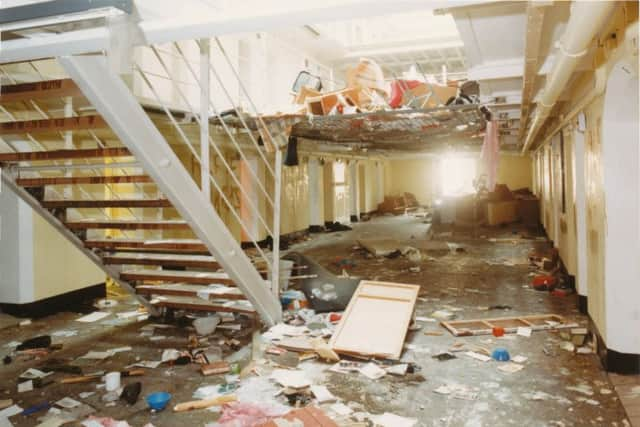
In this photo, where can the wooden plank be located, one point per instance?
(473, 327)
(309, 416)
(192, 277)
(65, 154)
(39, 90)
(187, 290)
(198, 304)
(166, 260)
(72, 180)
(128, 225)
(191, 246)
(376, 326)
(117, 203)
(60, 124)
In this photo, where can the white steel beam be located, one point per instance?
(169, 30)
(113, 99)
(205, 88)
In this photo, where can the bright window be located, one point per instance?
(457, 175)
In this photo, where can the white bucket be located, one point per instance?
(112, 381)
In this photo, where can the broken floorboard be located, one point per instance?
(539, 322)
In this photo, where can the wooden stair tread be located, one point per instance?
(59, 124)
(166, 259)
(72, 180)
(45, 89)
(192, 246)
(195, 303)
(116, 203)
(65, 154)
(199, 291)
(192, 277)
(128, 224)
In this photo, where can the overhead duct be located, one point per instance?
(586, 20)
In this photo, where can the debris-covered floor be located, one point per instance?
(552, 385)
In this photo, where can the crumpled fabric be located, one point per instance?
(104, 422)
(490, 154)
(245, 414)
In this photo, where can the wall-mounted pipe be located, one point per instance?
(586, 20)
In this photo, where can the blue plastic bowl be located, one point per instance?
(500, 354)
(158, 400)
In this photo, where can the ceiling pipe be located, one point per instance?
(586, 20)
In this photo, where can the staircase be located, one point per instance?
(155, 231)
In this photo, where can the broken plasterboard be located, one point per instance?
(376, 320)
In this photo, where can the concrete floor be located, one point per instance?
(542, 394)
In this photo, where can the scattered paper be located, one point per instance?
(372, 371)
(519, 359)
(120, 350)
(32, 373)
(129, 314)
(65, 333)
(510, 367)
(400, 369)
(25, 386)
(10, 411)
(86, 394)
(425, 319)
(524, 331)
(157, 338)
(392, 420)
(12, 344)
(341, 409)
(68, 403)
(93, 317)
(322, 394)
(147, 364)
(96, 355)
(478, 356)
(290, 378)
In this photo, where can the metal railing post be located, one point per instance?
(275, 270)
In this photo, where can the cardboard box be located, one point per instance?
(502, 212)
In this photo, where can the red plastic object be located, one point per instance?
(398, 87)
(544, 282)
(335, 317)
(498, 331)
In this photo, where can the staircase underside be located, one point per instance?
(174, 253)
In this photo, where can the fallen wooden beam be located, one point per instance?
(65, 154)
(52, 125)
(117, 203)
(39, 90)
(71, 180)
(128, 225)
(198, 304)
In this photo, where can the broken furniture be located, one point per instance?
(376, 322)
(473, 327)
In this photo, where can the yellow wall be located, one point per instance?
(515, 171)
(422, 176)
(547, 170)
(57, 265)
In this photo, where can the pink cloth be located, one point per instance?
(244, 414)
(490, 154)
